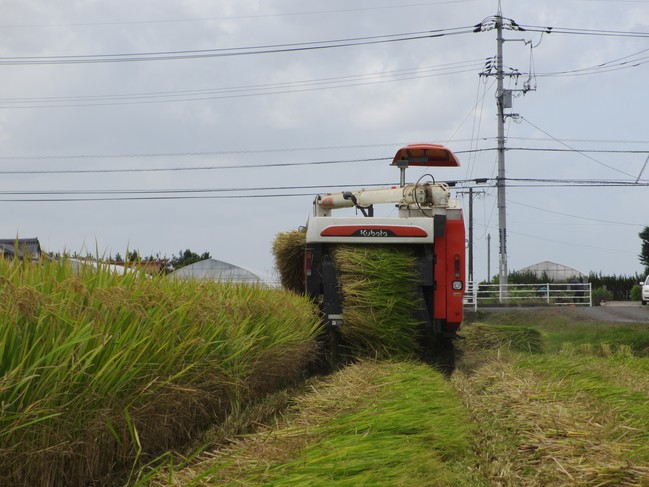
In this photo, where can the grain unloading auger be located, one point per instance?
(429, 226)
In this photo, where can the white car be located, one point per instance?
(644, 291)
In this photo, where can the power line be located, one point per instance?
(252, 165)
(597, 220)
(600, 141)
(530, 183)
(152, 198)
(584, 32)
(602, 151)
(242, 91)
(325, 187)
(572, 244)
(576, 150)
(194, 168)
(233, 51)
(265, 150)
(472, 63)
(626, 62)
(234, 17)
(200, 153)
(181, 190)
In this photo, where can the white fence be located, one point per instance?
(548, 294)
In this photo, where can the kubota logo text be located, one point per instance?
(364, 232)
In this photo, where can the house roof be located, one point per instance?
(29, 246)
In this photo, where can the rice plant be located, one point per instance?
(380, 300)
(100, 371)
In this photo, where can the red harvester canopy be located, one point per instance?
(434, 155)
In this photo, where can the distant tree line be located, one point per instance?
(166, 265)
(133, 258)
(187, 257)
(619, 287)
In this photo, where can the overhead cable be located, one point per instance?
(230, 18)
(228, 52)
(261, 165)
(475, 183)
(298, 86)
(584, 32)
(577, 150)
(191, 168)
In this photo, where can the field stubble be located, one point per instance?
(561, 414)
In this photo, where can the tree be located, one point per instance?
(644, 253)
(187, 257)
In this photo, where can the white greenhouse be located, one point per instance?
(216, 270)
(555, 272)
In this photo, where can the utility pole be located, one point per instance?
(488, 257)
(471, 234)
(503, 101)
(471, 192)
(500, 181)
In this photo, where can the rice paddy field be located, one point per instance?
(528, 405)
(133, 381)
(102, 373)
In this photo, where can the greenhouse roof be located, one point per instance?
(554, 271)
(215, 270)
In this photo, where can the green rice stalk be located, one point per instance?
(99, 369)
(380, 299)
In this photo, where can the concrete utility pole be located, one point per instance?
(503, 101)
(500, 181)
(471, 192)
(488, 257)
(471, 234)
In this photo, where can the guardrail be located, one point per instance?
(551, 294)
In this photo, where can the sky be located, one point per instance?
(159, 126)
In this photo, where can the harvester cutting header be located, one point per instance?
(429, 229)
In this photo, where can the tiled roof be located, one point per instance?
(30, 246)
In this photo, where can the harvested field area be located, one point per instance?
(528, 405)
(537, 427)
(572, 409)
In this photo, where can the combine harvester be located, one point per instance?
(429, 227)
